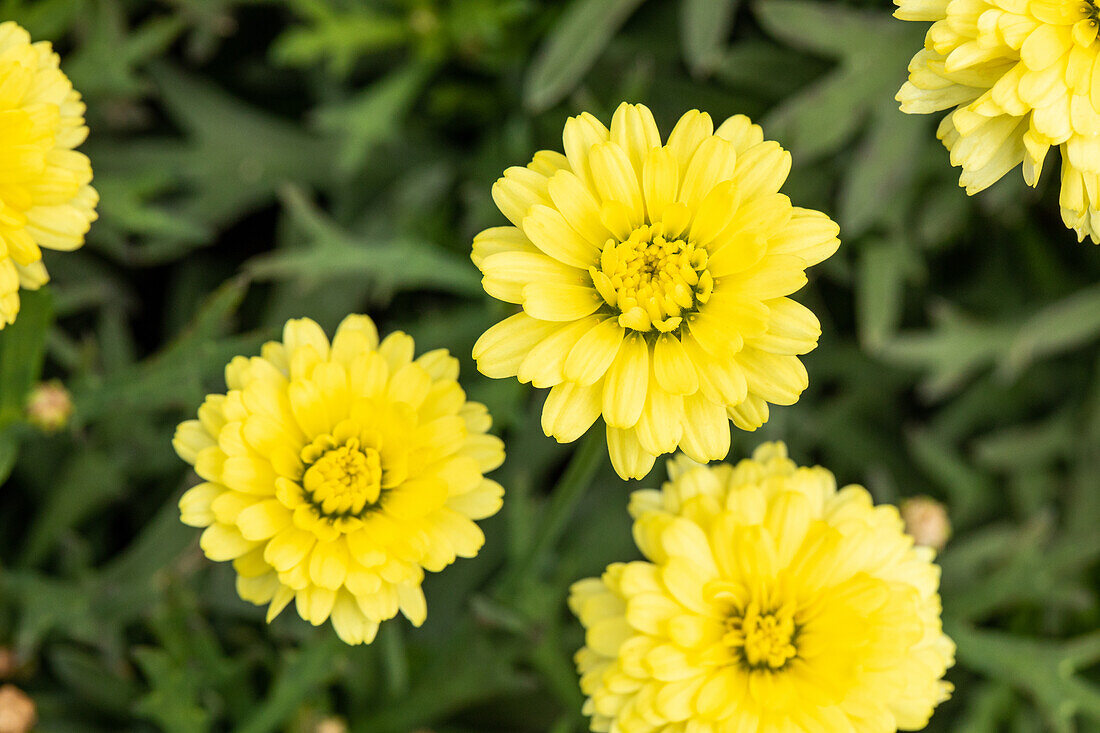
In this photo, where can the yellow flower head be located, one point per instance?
(769, 602)
(1020, 77)
(335, 474)
(653, 280)
(45, 199)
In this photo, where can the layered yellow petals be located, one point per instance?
(768, 601)
(336, 473)
(1019, 78)
(46, 199)
(653, 280)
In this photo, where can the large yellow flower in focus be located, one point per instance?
(1021, 76)
(45, 196)
(653, 280)
(769, 602)
(335, 474)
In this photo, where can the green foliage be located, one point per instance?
(260, 161)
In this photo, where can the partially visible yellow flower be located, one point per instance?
(769, 602)
(45, 196)
(1020, 77)
(653, 279)
(335, 474)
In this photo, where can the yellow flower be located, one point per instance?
(335, 474)
(1019, 76)
(653, 282)
(769, 602)
(45, 199)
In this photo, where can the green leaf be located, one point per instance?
(880, 291)
(373, 115)
(1067, 324)
(872, 51)
(173, 701)
(1048, 672)
(951, 353)
(9, 451)
(400, 263)
(704, 27)
(572, 47)
(22, 352)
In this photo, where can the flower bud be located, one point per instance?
(49, 406)
(926, 521)
(17, 711)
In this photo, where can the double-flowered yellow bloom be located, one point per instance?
(1022, 76)
(769, 602)
(653, 278)
(45, 196)
(335, 474)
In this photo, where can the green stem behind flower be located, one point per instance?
(586, 461)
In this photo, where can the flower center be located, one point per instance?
(652, 281)
(764, 640)
(343, 479)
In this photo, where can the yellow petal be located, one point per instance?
(570, 409)
(579, 208)
(580, 134)
(660, 181)
(689, 133)
(777, 378)
(263, 519)
(672, 367)
(544, 363)
(740, 131)
(714, 162)
(627, 383)
(615, 179)
(517, 191)
(661, 423)
(500, 350)
(628, 458)
(593, 352)
(706, 434)
(761, 170)
(635, 131)
(549, 231)
(560, 302)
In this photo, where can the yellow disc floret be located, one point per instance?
(652, 281)
(653, 278)
(768, 601)
(45, 196)
(335, 474)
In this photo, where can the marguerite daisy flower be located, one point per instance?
(336, 474)
(45, 196)
(768, 602)
(1019, 78)
(653, 280)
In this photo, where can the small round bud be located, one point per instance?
(17, 711)
(49, 406)
(332, 724)
(926, 521)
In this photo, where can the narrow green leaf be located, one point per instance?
(22, 351)
(1061, 326)
(880, 291)
(574, 44)
(399, 263)
(704, 27)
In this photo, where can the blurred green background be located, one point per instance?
(260, 160)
